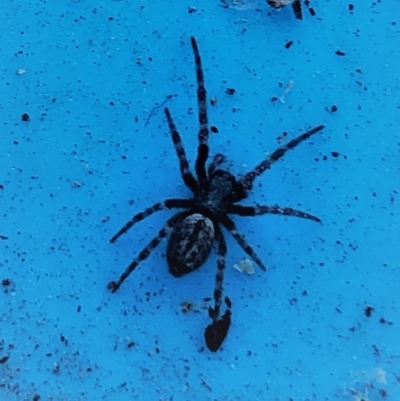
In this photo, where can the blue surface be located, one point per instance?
(97, 150)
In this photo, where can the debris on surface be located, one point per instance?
(245, 266)
(288, 89)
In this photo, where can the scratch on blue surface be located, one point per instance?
(96, 149)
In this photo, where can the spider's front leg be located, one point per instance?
(202, 151)
(259, 210)
(296, 6)
(187, 175)
(219, 158)
(217, 331)
(247, 181)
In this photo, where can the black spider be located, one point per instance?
(216, 193)
(296, 6)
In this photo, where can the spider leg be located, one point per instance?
(216, 332)
(218, 159)
(296, 5)
(168, 204)
(248, 179)
(257, 210)
(202, 152)
(187, 176)
(168, 227)
(231, 227)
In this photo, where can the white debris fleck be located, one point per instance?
(20, 71)
(241, 5)
(280, 3)
(289, 87)
(245, 266)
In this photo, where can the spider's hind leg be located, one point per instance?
(216, 332)
(168, 204)
(144, 254)
(231, 227)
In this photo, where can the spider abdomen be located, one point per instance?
(190, 244)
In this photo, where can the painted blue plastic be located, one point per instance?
(93, 78)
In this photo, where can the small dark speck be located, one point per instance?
(214, 129)
(340, 53)
(6, 282)
(36, 397)
(368, 311)
(384, 321)
(312, 11)
(289, 44)
(79, 308)
(274, 99)
(230, 91)
(334, 108)
(191, 10)
(3, 237)
(351, 7)
(4, 359)
(335, 154)
(383, 392)
(25, 117)
(131, 344)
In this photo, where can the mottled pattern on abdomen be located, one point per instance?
(190, 244)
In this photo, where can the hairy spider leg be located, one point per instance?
(187, 175)
(219, 278)
(166, 230)
(219, 158)
(296, 5)
(168, 204)
(202, 153)
(231, 227)
(248, 179)
(216, 332)
(258, 210)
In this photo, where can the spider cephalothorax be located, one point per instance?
(296, 6)
(193, 231)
